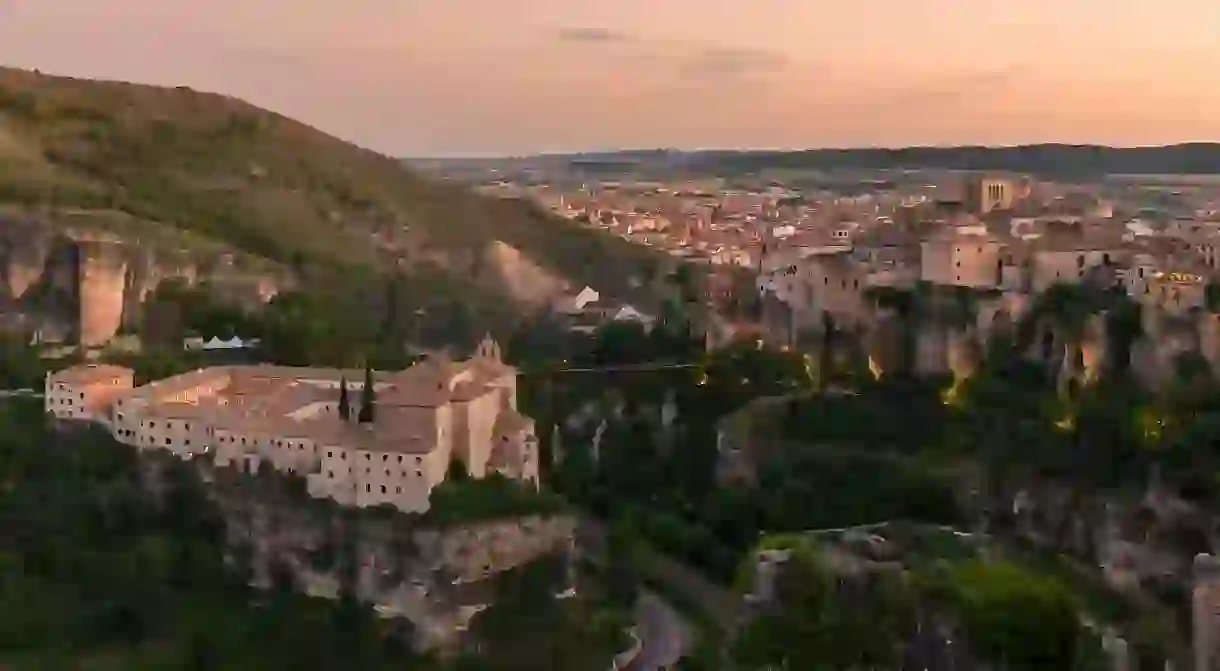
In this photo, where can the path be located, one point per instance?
(20, 393)
(666, 637)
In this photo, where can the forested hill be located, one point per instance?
(260, 183)
(1050, 159)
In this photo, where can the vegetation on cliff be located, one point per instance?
(870, 450)
(265, 185)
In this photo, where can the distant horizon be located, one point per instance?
(771, 150)
(494, 78)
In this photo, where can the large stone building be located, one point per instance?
(963, 256)
(85, 392)
(425, 417)
(833, 282)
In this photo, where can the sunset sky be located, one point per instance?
(437, 77)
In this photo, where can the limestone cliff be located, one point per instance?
(86, 285)
(521, 277)
(437, 577)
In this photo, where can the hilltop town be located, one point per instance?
(825, 250)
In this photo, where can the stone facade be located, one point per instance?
(427, 416)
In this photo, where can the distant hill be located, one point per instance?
(214, 168)
(1050, 159)
(1046, 159)
(1038, 159)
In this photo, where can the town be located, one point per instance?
(1005, 238)
(546, 336)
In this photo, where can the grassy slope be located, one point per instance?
(220, 168)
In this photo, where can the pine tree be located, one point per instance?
(345, 403)
(367, 398)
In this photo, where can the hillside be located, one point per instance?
(213, 168)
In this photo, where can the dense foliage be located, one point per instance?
(528, 628)
(992, 612)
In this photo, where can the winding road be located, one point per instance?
(666, 637)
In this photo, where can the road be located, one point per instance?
(666, 637)
(19, 393)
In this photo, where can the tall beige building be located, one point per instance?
(963, 256)
(426, 416)
(988, 194)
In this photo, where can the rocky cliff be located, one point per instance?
(86, 284)
(437, 577)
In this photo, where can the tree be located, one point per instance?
(345, 404)
(826, 352)
(1017, 619)
(622, 580)
(826, 621)
(457, 470)
(368, 399)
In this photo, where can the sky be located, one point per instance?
(493, 77)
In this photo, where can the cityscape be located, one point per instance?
(630, 338)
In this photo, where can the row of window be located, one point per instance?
(369, 471)
(369, 457)
(168, 425)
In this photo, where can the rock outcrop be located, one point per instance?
(89, 285)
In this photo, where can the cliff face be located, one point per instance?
(85, 286)
(435, 577)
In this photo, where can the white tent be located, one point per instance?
(217, 343)
(628, 313)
